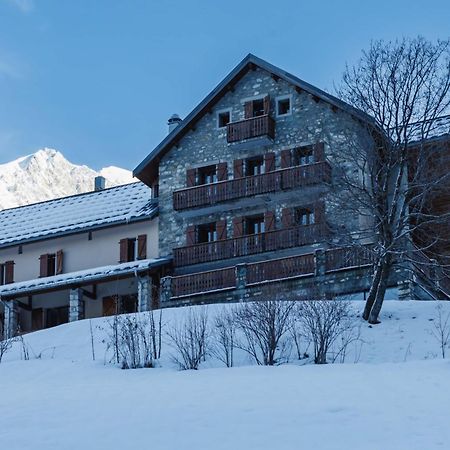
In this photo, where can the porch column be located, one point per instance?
(166, 291)
(11, 321)
(320, 262)
(144, 293)
(241, 282)
(76, 305)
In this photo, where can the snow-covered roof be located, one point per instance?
(82, 212)
(81, 277)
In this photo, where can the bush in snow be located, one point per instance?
(265, 327)
(5, 346)
(224, 336)
(441, 329)
(135, 339)
(190, 339)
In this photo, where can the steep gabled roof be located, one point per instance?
(77, 213)
(147, 169)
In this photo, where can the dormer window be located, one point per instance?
(223, 118)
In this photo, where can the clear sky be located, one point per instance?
(97, 80)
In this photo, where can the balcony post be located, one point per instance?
(319, 262)
(241, 281)
(76, 305)
(166, 290)
(144, 285)
(11, 319)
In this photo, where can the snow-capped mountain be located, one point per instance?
(46, 174)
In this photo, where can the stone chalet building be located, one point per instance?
(232, 206)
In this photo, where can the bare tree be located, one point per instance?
(397, 169)
(324, 322)
(5, 346)
(224, 336)
(441, 329)
(190, 339)
(265, 325)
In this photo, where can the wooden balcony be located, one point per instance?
(278, 180)
(250, 244)
(251, 128)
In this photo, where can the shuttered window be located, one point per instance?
(257, 107)
(286, 218)
(269, 162)
(238, 226)
(191, 177)
(127, 250)
(269, 221)
(142, 246)
(238, 167)
(51, 264)
(221, 227)
(286, 159)
(7, 272)
(319, 152)
(59, 262)
(222, 171)
(191, 237)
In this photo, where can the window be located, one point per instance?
(223, 118)
(284, 106)
(207, 175)
(304, 216)
(132, 249)
(254, 225)
(304, 155)
(207, 233)
(258, 107)
(2, 274)
(51, 264)
(254, 166)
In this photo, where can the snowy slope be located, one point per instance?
(46, 174)
(397, 397)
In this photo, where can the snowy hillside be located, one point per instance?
(396, 397)
(46, 174)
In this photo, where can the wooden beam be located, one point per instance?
(92, 295)
(298, 90)
(275, 77)
(316, 99)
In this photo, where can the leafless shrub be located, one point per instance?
(5, 346)
(298, 338)
(441, 329)
(135, 340)
(265, 325)
(190, 339)
(224, 337)
(325, 322)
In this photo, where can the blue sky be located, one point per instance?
(98, 79)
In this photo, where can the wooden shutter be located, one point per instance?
(319, 212)
(142, 246)
(110, 305)
(9, 272)
(238, 226)
(266, 104)
(123, 250)
(221, 228)
(248, 109)
(269, 162)
(286, 159)
(59, 262)
(319, 152)
(191, 175)
(287, 218)
(238, 167)
(190, 235)
(43, 272)
(222, 174)
(269, 221)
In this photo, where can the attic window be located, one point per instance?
(223, 118)
(258, 107)
(283, 106)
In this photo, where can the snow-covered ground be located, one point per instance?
(396, 397)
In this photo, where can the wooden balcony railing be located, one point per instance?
(250, 244)
(292, 177)
(346, 257)
(250, 128)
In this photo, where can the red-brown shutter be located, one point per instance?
(191, 177)
(319, 212)
(238, 167)
(266, 102)
(123, 243)
(9, 272)
(43, 272)
(59, 262)
(238, 226)
(221, 228)
(248, 109)
(269, 162)
(287, 218)
(142, 246)
(222, 174)
(319, 152)
(286, 159)
(190, 235)
(269, 221)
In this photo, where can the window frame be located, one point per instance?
(210, 230)
(253, 220)
(281, 98)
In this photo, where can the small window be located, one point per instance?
(283, 106)
(258, 107)
(304, 216)
(254, 166)
(254, 225)
(207, 175)
(223, 118)
(304, 155)
(207, 233)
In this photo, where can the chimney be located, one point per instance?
(99, 183)
(173, 122)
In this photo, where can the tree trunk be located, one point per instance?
(373, 291)
(381, 291)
